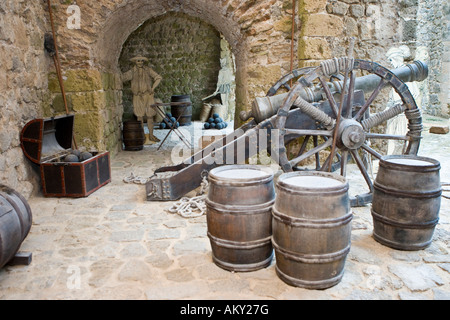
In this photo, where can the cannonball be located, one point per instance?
(219, 126)
(211, 120)
(85, 155)
(169, 115)
(217, 120)
(71, 158)
(162, 125)
(173, 119)
(206, 125)
(76, 152)
(212, 125)
(216, 115)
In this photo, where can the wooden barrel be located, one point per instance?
(15, 223)
(406, 201)
(238, 214)
(182, 110)
(311, 228)
(133, 135)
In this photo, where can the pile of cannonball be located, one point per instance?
(168, 122)
(77, 156)
(215, 122)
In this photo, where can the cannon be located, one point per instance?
(336, 105)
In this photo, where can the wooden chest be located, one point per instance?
(46, 142)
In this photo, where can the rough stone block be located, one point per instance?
(89, 101)
(314, 48)
(322, 25)
(89, 130)
(82, 80)
(439, 129)
(314, 6)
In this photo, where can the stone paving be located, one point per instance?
(116, 245)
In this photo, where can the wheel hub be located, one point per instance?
(351, 134)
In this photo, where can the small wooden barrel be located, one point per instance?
(406, 201)
(15, 223)
(238, 215)
(133, 135)
(311, 228)
(185, 111)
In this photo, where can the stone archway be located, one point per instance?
(184, 50)
(129, 17)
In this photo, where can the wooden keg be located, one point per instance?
(182, 111)
(133, 135)
(406, 201)
(311, 228)
(238, 214)
(15, 223)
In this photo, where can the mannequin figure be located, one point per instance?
(144, 81)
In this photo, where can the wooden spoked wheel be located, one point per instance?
(347, 126)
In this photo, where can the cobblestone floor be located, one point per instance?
(116, 245)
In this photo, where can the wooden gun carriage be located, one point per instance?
(336, 105)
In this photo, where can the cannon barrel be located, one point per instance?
(265, 107)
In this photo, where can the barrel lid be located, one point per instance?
(42, 139)
(310, 181)
(410, 162)
(317, 182)
(241, 173)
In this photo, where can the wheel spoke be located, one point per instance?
(372, 97)
(371, 151)
(305, 132)
(351, 93)
(362, 169)
(386, 136)
(303, 147)
(383, 116)
(344, 161)
(329, 95)
(317, 155)
(319, 148)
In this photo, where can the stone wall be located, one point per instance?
(95, 99)
(432, 31)
(379, 26)
(23, 87)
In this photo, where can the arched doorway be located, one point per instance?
(187, 52)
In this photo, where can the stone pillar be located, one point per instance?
(95, 99)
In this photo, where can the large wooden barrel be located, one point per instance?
(15, 223)
(406, 201)
(238, 214)
(133, 135)
(311, 228)
(185, 111)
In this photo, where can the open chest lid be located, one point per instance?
(43, 139)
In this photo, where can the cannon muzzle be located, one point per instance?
(265, 107)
